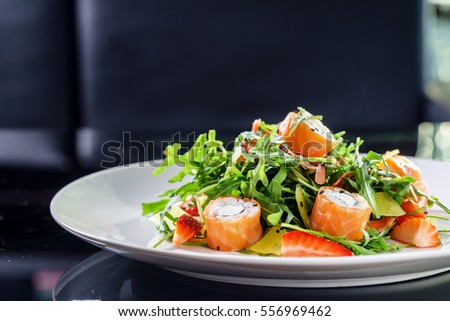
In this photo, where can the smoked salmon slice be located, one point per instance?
(403, 166)
(232, 223)
(340, 213)
(310, 137)
(381, 224)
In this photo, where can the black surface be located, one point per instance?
(107, 276)
(33, 247)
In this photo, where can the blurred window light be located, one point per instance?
(434, 141)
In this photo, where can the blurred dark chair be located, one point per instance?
(154, 68)
(36, 83)
(145, 70)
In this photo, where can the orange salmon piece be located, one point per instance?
(232, 223)
(410, 206)
(381, 224)
(403, 166)
(340, 213)
(310, 138)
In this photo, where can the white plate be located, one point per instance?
(104, 208)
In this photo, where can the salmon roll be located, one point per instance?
(232, 223)
(310, 137)
(402, 166)
(340, 213)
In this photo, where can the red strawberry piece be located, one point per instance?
(416, 231)
(399, 220)
(297, 243)
(185, 228)
(192, 210)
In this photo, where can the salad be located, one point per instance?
(294, 189)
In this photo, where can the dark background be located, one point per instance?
(78, 74)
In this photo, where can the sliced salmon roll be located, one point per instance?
(403, 166)
(310, 137)
(232, 223)
(340, 213)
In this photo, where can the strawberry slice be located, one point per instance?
(192, 210)
(416, 231)
(399, 220)
(185, 228)
(297, 243)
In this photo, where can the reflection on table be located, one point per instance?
(107, 276)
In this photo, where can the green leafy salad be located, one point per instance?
(312, 192)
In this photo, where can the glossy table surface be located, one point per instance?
(107, 276)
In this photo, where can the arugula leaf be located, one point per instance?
(276, 185)
(154, 207)
(365, 180)
(303, 205)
